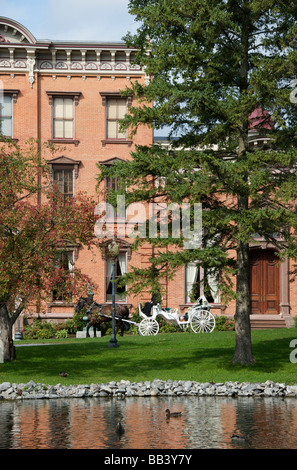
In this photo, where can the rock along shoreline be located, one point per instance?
(158, 387)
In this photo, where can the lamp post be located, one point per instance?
(113, 250)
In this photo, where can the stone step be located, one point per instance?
(267, 321)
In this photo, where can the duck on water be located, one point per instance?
(174, 414)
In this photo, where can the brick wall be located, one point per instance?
(32, 117)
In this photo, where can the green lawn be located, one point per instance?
(184, 356)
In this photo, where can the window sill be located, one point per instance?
(116, 141)
(58, 303)
(64, 141)
(4, 138)
(119, 302)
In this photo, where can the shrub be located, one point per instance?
(70, 326)
(78, 321)
(136, 317)
(133, 330)
(165, 326)
(108, 331)
(59, 326)
(39, 330)
(45, 330)
(224, 323)
(62, 334)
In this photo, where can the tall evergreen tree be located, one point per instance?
(212, 64)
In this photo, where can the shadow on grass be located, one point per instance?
(271, 355)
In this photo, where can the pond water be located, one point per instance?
(205, 423)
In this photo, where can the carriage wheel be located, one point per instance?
(203, 322)
(148, 327)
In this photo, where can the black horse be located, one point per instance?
(98, 314)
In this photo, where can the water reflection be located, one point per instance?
(206, 423)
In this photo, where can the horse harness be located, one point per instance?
(97, 314)
(91, 307)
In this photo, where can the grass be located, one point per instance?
(176, 356)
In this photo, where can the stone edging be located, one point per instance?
(125, 388)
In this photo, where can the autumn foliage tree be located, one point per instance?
(36, 224)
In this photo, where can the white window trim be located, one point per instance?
(13, 95)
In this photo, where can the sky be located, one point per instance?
(98, 20)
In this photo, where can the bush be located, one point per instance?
(39, 330)
(133, 330)
(136, 317)
(107, 332)
(224, 323)
(61, 334)
(45, 330)
(166, 326)
(78, 322)
(70, 326)
(58, 326)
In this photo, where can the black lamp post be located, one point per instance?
(113, 250)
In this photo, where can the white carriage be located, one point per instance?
(199, 318)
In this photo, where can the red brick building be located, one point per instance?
(68, 93)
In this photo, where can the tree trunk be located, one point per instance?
(243, 342)
(7, 349)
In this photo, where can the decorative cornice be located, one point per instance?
(62, 57)
(64, 161)
(13, 93)
(62, 94)
(110, 161)
(90, 66)
(111, 94)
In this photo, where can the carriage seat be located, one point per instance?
(141, 312)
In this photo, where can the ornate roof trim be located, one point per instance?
(16, 27)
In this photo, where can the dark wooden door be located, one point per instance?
(264, 282)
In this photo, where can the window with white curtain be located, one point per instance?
(6, 116)
(63, 118)
(120, 269)
(197, 284)
(192, 282)
(115, 111)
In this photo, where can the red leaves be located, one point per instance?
(32, 233)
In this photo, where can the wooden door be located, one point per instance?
(264, 282)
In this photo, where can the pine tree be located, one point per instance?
(213, 65)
